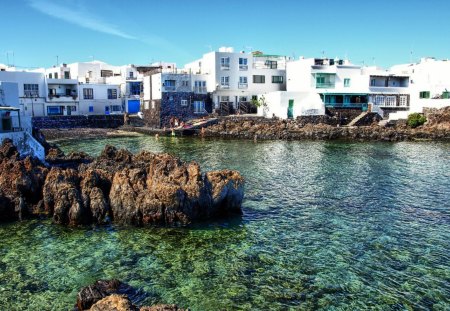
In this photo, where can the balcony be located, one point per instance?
(200, 90)
(61, 81)
(325, 85)
(224, 86)
(169, 88)
(243, 85)
(62, 98)
(243, 67)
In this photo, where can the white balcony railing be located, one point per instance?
(243, 85)
(243, 67)
(200, 89)
(224, 86)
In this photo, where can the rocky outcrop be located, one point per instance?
(437, 128)
(113, 295)
(141, 189)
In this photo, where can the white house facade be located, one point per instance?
(234, 78)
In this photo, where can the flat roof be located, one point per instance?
(8, 108)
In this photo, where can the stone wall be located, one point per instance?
(94, 121)
(152, 115)
(170, 105)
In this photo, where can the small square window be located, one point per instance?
(184, 102)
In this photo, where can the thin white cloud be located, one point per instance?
(79, 16)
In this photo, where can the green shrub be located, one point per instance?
(416, 119)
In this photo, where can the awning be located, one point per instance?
(6, 108)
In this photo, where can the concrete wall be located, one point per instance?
(100, 100)
(92, 121)
(305, 103)
(26, 144)
(9, 94)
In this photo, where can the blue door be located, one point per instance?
(133, 106)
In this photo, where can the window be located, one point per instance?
(403, 100)
(259, 79)
(72, 108)
(50, 76)
(391, 101)
(169, 85)
(185, 83)
(51, 92)
(199, 106)
(131, 74)
(115, 108)
(88, 93)
(271, 64)
(184, 102)
(372, 82)
(91, 108)
(243, 63)
(346, 82)
(54, 110)
(242, 98)
(225, 81)
(325, 80)
(379, 100)
(200, 86)
(66, 75)
(106, 73)
(112, 93)
(243, 82)
(135, 88)
(225, 62)
(224, 98)
(56, 75)
(31, 90)
(277, 79)
(425, 94)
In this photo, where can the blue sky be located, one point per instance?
(139, 32)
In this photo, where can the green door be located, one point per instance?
(290, 112)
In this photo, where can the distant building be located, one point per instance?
(341, 84)
(62, 96)
(15, 124)
(429, 84)
(235, 78)
(169, 92)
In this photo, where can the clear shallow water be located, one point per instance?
(326, 225)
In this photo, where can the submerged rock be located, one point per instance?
(140, 189)
(113, 295)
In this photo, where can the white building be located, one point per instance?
(62, 96)
(32, 90)
(429, 84)
(234, 78)
(126, 77)
(99, 99)
(14, 124)
(341, 84)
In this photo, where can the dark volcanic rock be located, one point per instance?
(21, 182)
(437, 128)
(113, 295)
(137, 189)
(89, 295)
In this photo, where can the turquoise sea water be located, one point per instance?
(325, 225)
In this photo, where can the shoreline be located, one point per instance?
(268, 132)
